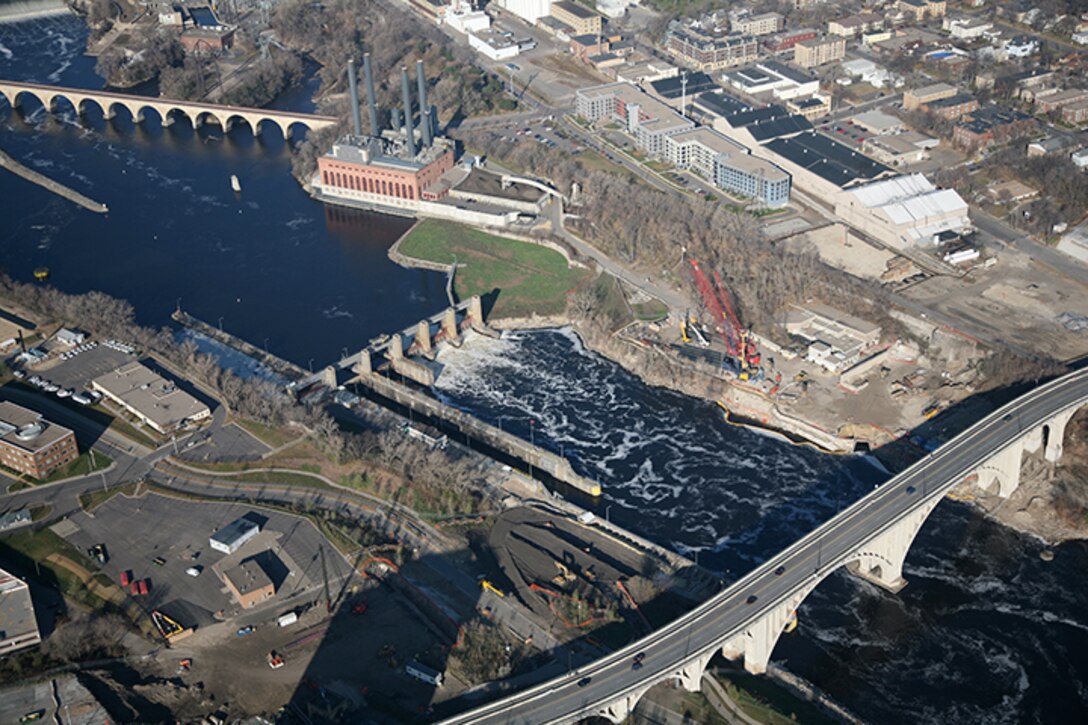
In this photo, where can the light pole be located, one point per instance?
(311, 366)
(179, 304)
(266, 346)
(606, 510)
(220, 323)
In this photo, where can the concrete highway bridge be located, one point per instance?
(871, 538)
(167, 109)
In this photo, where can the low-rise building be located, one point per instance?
(914, 98)
(817, 52)
(991, 125)
(151, 398)
(249, 583)
(1021, 46)
(967, 28)
(836, 339)
(70, 337)
(921, 10)
(31, 445)
(18, 625)
(528, 10)
(855, 25)
(904, 211)
(1056, 101)
(812, 108)
(1080, 159)
(786, 41)
(952, 108)
(894, 150)
(494, 45)
(579, 18)
(1075, 113)
(877, 122)
(771, 76)
(1051, 145)
(231, 537)
(761, 24)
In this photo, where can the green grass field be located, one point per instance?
(528, 278)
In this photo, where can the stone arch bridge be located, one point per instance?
(167, 109)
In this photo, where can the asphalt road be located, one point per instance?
(703, 630)
(994, 228)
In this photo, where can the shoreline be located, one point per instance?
(17, 168)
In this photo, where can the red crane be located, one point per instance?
(736, 339)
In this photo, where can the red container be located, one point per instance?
(126, 578)
(134, 588)
(145, 585)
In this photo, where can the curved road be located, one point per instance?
(703, 630)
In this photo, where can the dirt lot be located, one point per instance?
(1017, 298)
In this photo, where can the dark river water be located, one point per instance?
(269, 261)
(984, 633)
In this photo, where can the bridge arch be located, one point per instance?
(203, 117)
(86, 102)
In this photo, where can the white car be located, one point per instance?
(193, 571)
(51, 388)
(64, 393)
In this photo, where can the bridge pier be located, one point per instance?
(328, 377)
(757, 642)
(364, 366)
(619, 710)
(880, 560)
(449, 327)
(1004, 468)
(423, 337)
(1053, 434)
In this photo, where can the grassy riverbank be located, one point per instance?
(524, 278)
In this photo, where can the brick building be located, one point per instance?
(31, 445)
(952, 108)
(579, 18)
(710, 52)
(249, 584)
(988, 126)
(785, 41)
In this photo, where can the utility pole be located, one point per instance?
(325, 575)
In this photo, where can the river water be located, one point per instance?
(270, 262)
(985, 632)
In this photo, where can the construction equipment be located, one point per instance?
(170, 630)
(691, 330)
(275, 660)
(485, 584)
(738, 343)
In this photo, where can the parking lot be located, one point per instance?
(136, 531)
(80, 369)
(227, 443)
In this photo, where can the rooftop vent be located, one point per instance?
(29, 432)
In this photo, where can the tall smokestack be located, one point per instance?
(424, 109)
(371, 99)
(409, 129)
(353, 84)
(394, 119)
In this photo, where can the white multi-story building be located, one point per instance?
(530, 10)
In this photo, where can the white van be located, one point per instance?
(287, 620)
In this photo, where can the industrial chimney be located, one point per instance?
(371, 101)
(424, 109)
(409, 129)
(394, 119)
(353, 85)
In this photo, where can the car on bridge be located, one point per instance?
(752, 598)
(584, 681)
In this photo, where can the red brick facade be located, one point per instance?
(408, 184)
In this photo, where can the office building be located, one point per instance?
(580, 19)
(31, 445)
(18, 625)
(819, 51)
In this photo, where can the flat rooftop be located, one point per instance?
(16, 609)
(711, 139)
(234, 531)
(248, 577)
(485, 183)
(153, 396)
(662, 116)
(578, 11)
(827, 158)
(674, 87)
(721, 104)
(27, 429)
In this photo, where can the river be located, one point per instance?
(270, 263)
(985, 631)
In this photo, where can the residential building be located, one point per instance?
(952, 108)
(1080, 159)
(762, 24)
(18, 625)
(31, 445)
(991, 125)
(1075, 113)
(710, 52)
(818, 51)
(914, 98)
(1021, 46)
(855, 25)
(647, 119)
(921, 10)
(1050, 145)
(785, 41)
(581, 19)
(1056, 101)
(249, 583)
(1081, 37)
(151, 398)
(728, 165)
(967, 28)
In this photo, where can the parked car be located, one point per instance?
(248, 629)
(194, 570)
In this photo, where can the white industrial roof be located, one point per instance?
(910, 199)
